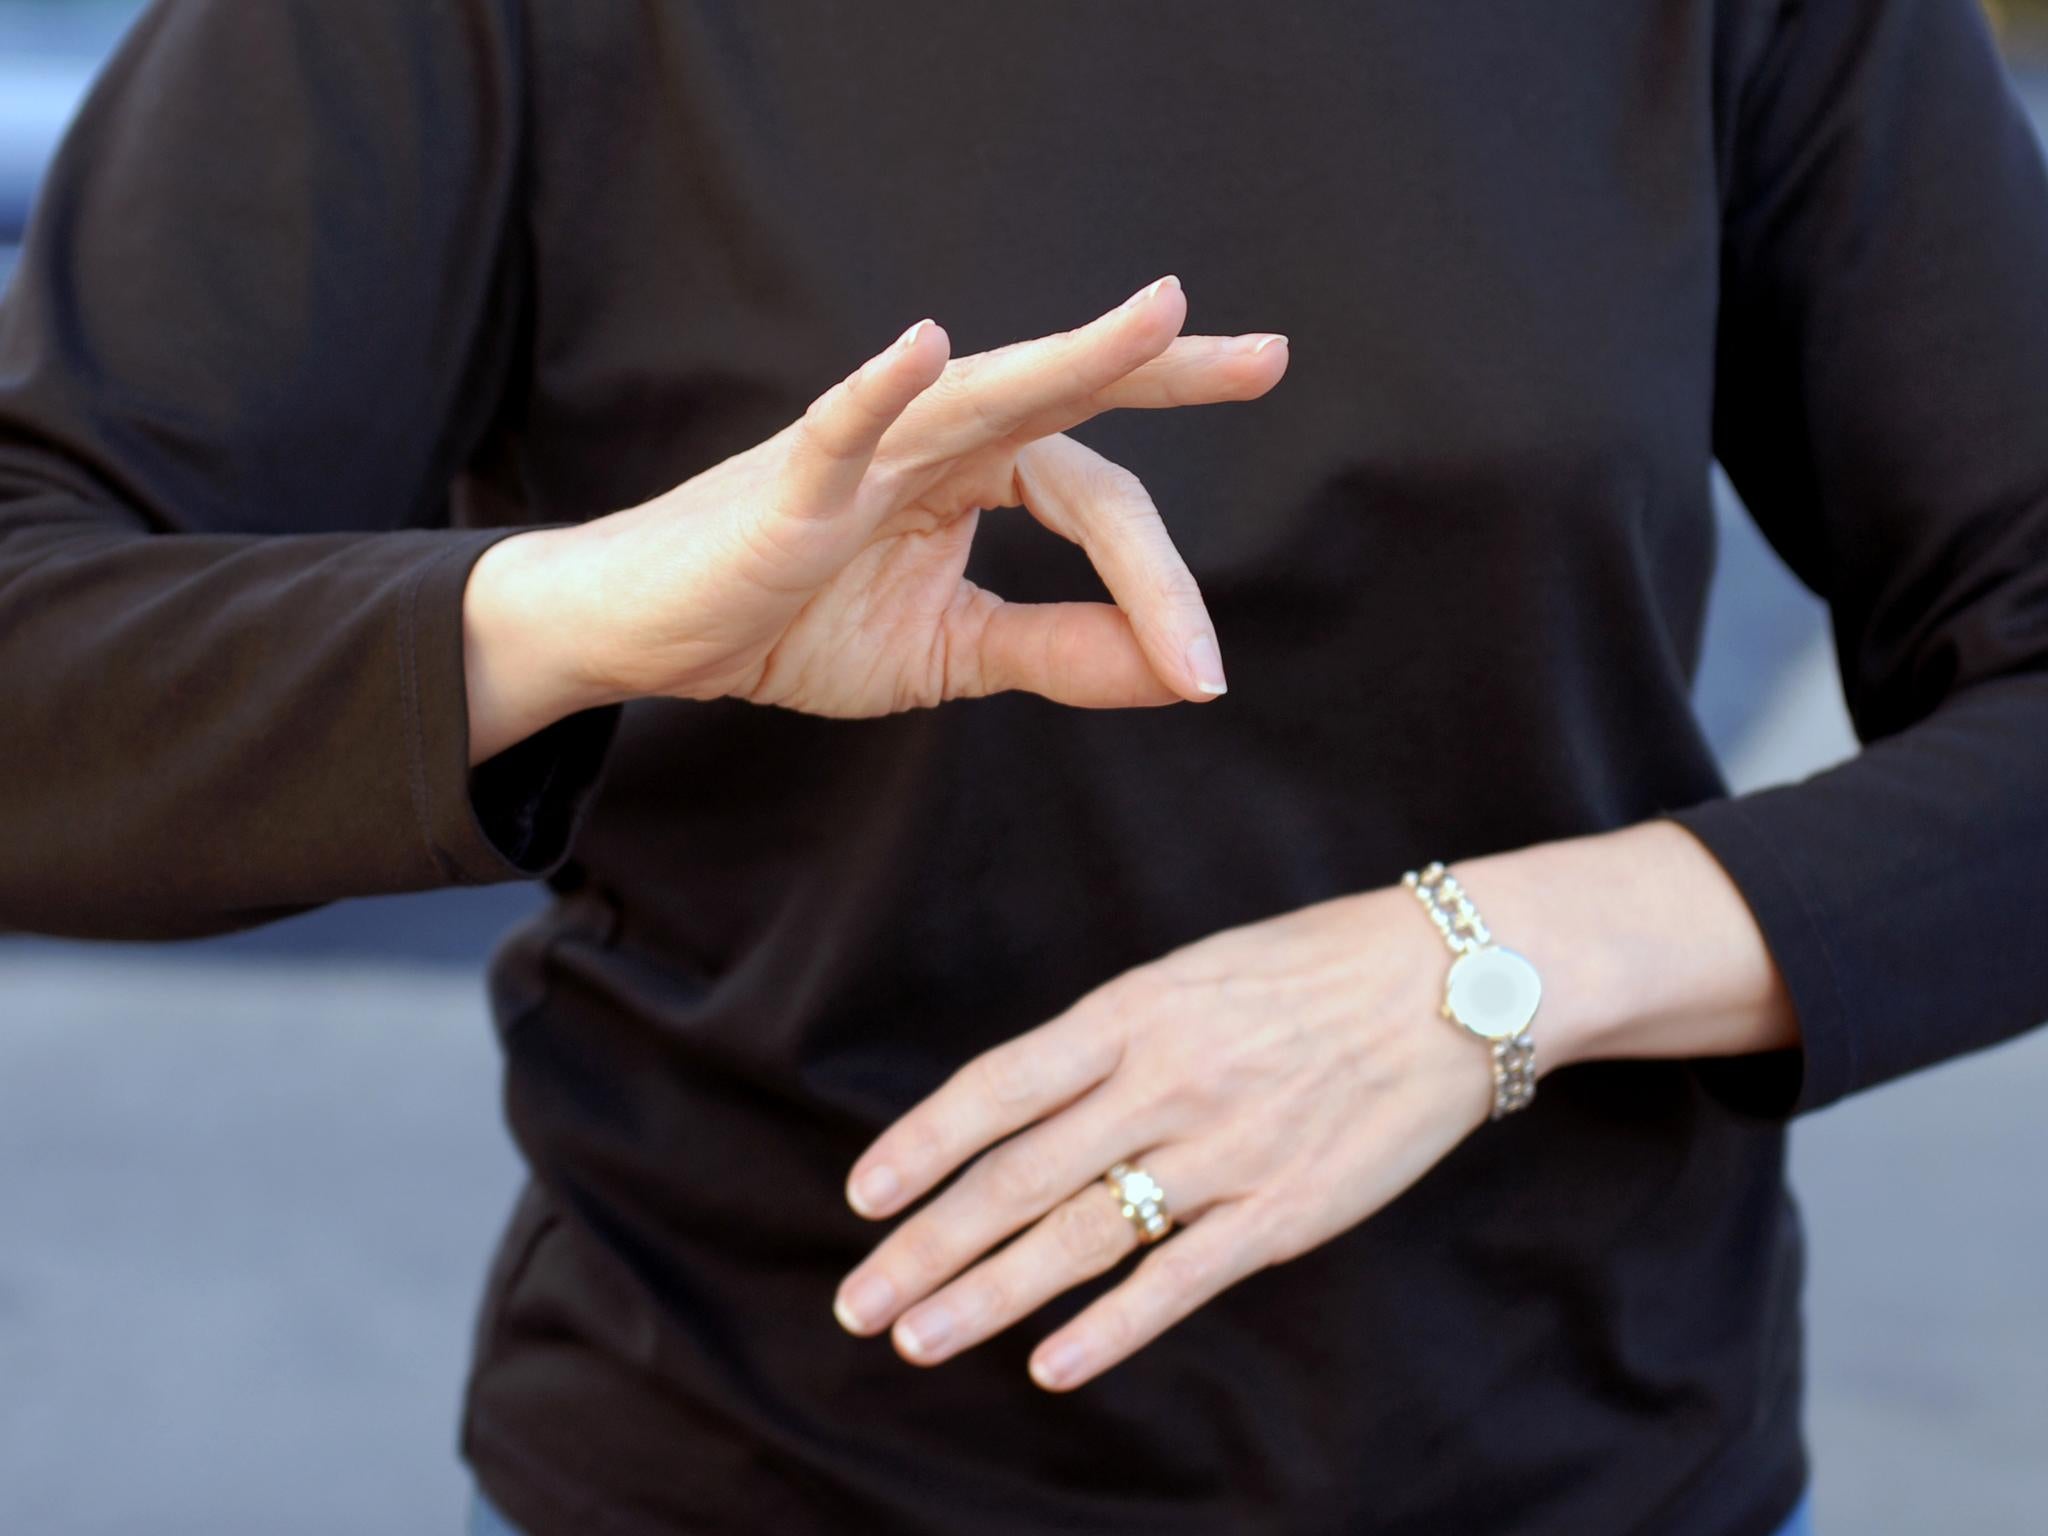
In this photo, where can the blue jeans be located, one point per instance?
(484, 1520)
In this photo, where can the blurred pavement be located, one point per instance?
(247, 1207)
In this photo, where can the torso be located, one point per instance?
(1457, 561)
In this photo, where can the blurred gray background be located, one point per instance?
(248, 1186)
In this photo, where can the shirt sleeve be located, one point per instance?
(1882, 406)
(261, 325)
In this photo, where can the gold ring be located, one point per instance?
(1142, 1201)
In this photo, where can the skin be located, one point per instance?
(822, 570)
(1283, 1080)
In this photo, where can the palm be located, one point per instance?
(883, 634)
(899, 626)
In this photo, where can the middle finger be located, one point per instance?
(1084, 1236)
(1131, 357)
(1011, 1184)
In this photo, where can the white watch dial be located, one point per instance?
(1492, 991)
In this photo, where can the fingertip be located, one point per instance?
(1277, 354)
(913, 345)
(1205, 666)
(918, 338)
(873, 1192)
(1149, 292)
(1161, 305)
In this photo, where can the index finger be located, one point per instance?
(1012, 391)
(1000, 1091)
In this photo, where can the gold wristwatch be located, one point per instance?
(1491, 991)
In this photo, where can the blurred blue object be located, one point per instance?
(49, 54)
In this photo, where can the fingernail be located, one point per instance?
(860, 1304)
(928, 1332)
(1206, 662)
(1057, 1364)
(909, 338)
(873, 1188)
(1268, 341)
(1146, 294)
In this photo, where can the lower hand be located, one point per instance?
(1281, 1081)
(823, 570)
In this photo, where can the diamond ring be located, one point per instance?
(1142, 1200)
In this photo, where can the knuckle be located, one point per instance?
(1172, 1278)
(917, 1148)
(819, 411)
(824, 427)
(926, 1255)
(1196, 1091)
(956, 385)
(1278, 1234)
(984, 1298)
(1122, 495)
(1008, 1076)
(1084, 1232)
(1119, 482)
(1117, 1328)
(1131, 999)
(1179, 1270)
(1019, 1176)
(1178, 588)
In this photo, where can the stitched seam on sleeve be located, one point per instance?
(1852, 1050)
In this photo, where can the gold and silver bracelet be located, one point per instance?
(1491, 991)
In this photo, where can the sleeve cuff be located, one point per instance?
(516, 816)
(1781, 1085)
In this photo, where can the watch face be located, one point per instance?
(1493, 991)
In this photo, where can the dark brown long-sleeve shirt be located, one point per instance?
(323, 296)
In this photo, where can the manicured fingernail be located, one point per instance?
(1206, 662)
(1268, 341)
(1057, 1364)
(925, 1332)
(860, 1304)
(873, 1188)
(909, 338)
(1149, 292)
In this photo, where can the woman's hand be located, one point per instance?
(822, 570)
(1281, 1081)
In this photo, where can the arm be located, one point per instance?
(257, 331)
(1882, 400)
(267, 315)
(1883, 390)
(1883, 409)
(1646, 947)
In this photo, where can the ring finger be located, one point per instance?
(1083, 1236)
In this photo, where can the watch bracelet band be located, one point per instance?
(1464, 930)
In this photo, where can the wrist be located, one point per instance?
(1645, 946)
(525, 661)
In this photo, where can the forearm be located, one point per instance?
(207, 731)
(1645, 945)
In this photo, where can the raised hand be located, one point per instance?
(823, 569)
